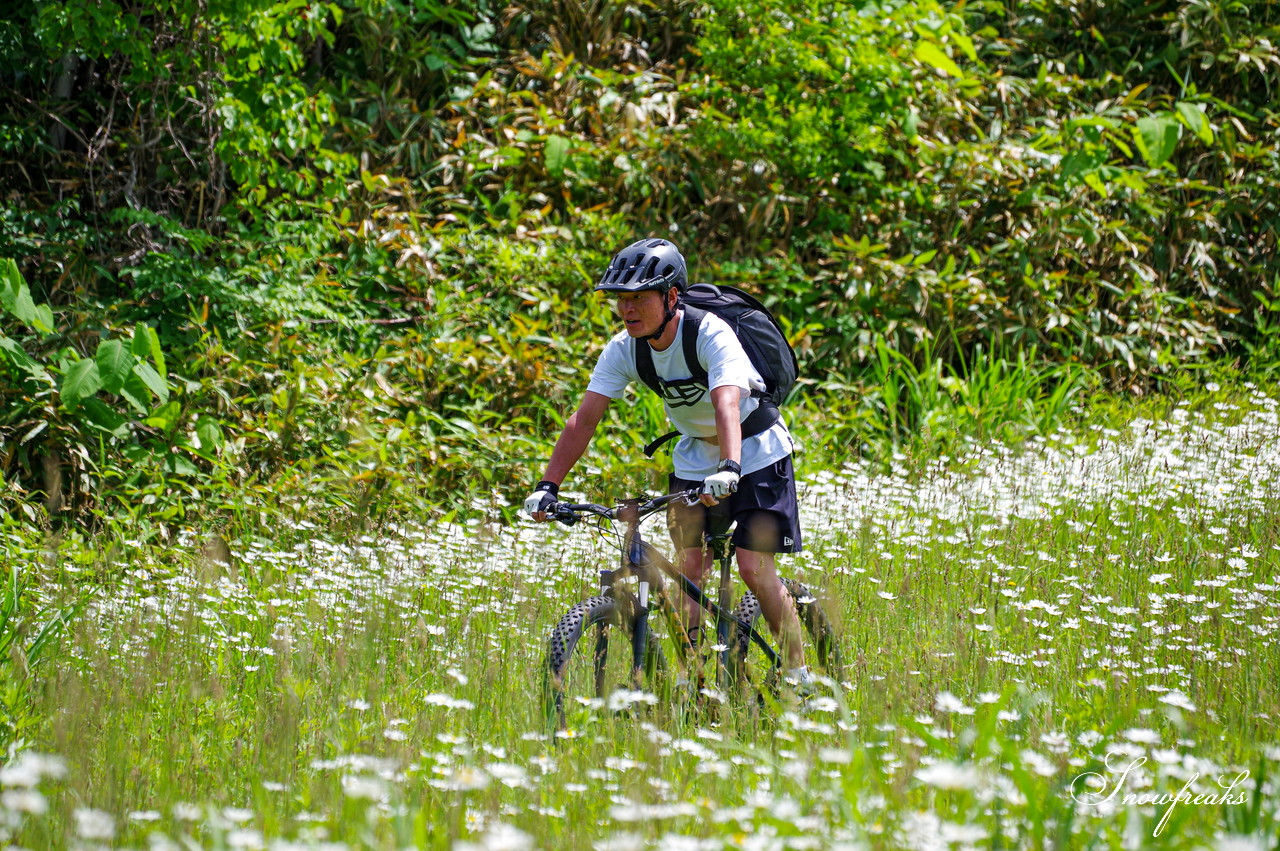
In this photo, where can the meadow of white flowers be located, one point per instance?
(1068, 642)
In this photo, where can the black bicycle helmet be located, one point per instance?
(650, 264)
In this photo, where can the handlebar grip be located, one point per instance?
(562, 513)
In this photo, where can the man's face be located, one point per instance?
(641, 312)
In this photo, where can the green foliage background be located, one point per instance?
(268, 254)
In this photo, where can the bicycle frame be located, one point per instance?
(641, 560)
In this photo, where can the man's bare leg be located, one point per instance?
(760, 572)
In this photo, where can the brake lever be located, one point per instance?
(564, 515)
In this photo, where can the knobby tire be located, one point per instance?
(614, 619)
(822, 633)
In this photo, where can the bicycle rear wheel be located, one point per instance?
(823, 644)
(591, 675)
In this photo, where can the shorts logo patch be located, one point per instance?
(787, 542)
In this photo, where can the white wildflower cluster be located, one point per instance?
(20, 795)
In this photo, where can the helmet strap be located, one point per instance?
(666, 317)
(671, 312)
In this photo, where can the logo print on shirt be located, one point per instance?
(682, 392)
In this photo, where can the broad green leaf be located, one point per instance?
(102, 416)
(135, 392)
(557, 154)
(209, 433)
(464, 425)
(195, 449)
(10, 284)
(146, 344)
(79, 382)
(165, 417)
(1193, 116)
(175, 463)
(1094, 181)
(930, 54)
(115, 364)
(1156, 136)
(42, 318)
(152, 379)
(1090, 121)
(23, 361)
(965, 44)
(910, 124)
(16, 298)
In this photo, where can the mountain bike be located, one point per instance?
(645, 582)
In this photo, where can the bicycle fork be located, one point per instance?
(640, 635)
(722, 552)
(640, 638)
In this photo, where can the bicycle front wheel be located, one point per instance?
(590, 676)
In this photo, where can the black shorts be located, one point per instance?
(764, 508)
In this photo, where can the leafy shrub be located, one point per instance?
(80, 402)
(359, 233)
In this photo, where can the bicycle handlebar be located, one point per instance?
(569, 513)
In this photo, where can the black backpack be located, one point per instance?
(761, 337)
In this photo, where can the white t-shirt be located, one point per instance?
(688, 405)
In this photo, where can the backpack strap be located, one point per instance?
(644, 365)
(649, 374)
(761, 419)
(654, 445)
(688, 340)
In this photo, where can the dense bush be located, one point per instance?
(352, 240)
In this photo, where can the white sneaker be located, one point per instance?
(801, 679)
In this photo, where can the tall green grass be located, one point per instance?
(915, 402)
(29, 633)
(922, 401)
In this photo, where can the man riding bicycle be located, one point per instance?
(744, 478)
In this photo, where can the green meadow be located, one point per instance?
(1068, 643)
